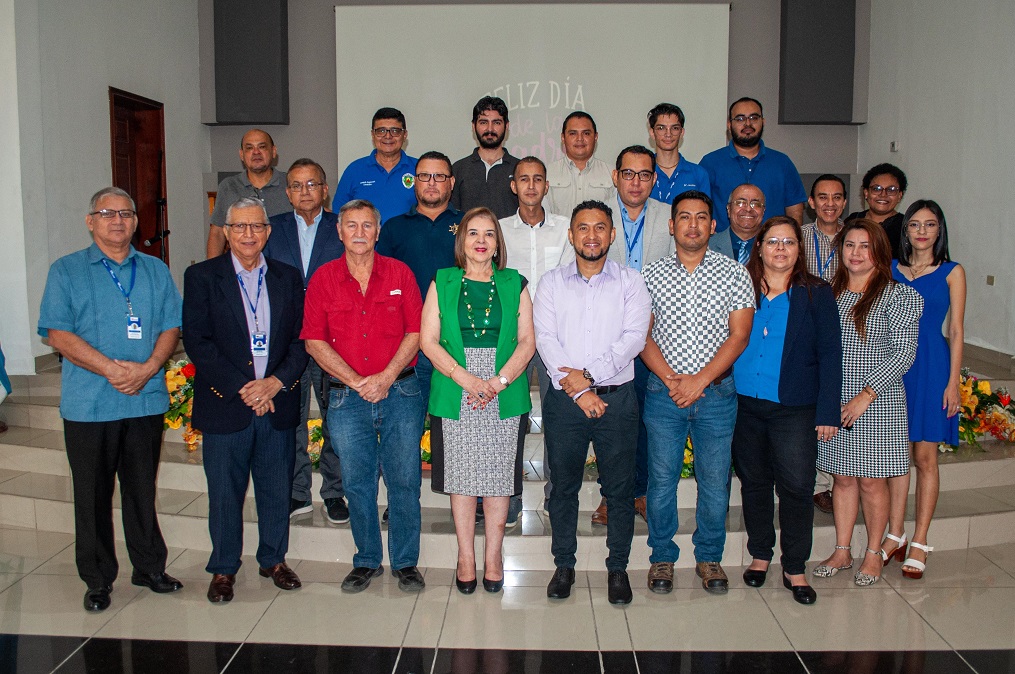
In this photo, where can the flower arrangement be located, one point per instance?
(315, 441)
(983, 411)
(180, 383)
(686, 470)
(424, 443)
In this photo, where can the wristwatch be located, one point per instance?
(503, 380)
(585, 373)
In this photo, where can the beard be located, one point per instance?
(435, 202)
(741, 141)
(593, 258)
(491, 141)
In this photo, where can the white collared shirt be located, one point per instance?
(533, 251)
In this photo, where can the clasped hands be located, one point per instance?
(572, 383)
(258, 394)
(480, 391)
(128, 376)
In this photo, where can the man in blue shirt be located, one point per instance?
(114, 314)
(674, 174)
(385, 176)
(747, 160)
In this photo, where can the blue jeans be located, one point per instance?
(710, 422)
(374, 437)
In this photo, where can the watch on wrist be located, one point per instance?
(585, 373)
(503, 380)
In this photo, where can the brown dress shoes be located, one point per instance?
(283, 577)
(221, 588)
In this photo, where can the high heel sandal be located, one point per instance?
(900, 551)
(916, 563)
(865, 579)
(826, 571)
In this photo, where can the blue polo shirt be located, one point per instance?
(423, 244)
(757, 370)
(390, 191)
(687, 176)
(772, 171)
(81, 297)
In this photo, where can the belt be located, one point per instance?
(404, 374)
(718, 380)
(602, 390)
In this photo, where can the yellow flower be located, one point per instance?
(313, 423)
(984, 387)
(176, 423)
(171, 385)
(424, 442)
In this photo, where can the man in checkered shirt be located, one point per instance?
(702, 311)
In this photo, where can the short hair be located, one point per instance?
(499, 256)
(578, 114)
(729, 199)
(746, 99)
(881, 170)
(247, 202)
(490, 103)
(828, 176)
(388, 113)
(940, 246)
(270, 139)
(304, 162)
(592, 205)
(530, 159)
(434, 155)
(636, 149)
(107, 192)
(358, 204)
(662, 110)
(688, 196)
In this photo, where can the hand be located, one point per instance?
(480, 391)
(592, 405)
(264, 407)
(573, 381)
(128, 377)
(952, 399)
(259, 392)
(852, 410)
(826, 432)
(494, 382)
(685, 389)
(375, 387)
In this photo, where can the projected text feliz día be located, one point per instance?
(536, 94)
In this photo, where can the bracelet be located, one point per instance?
(451, 374)
(873, 396)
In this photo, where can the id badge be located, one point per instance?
(133, 327)
(259, 345)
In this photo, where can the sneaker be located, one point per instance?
(336, 510)
(300, 507)
(386, 516)
(409, 579)
(514, 512)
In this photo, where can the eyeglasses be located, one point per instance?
(255, 227)
(392, 131)
(643, 176)
(916, 226)
(740, 119)
(109, 214)
(786, 243)
(311, 185)
(878, 189)
(673, 129)
(756, 204)
(436, 177)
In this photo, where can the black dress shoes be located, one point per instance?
(360, 577)
(754, 577)
(619, 587)
(467, 586)
(97, 598)
(802, 594)
(560, 584)
(221, 588)
(409, 579)
(492, 585)
(156, 582)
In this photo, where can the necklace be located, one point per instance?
(668, 167)
(486, 311)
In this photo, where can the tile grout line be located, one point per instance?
(630, 637)
(71, 655)
(921, 617)
(776, 619)
(233, 656)
(440, 632)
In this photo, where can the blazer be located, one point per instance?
(284, 243)
(720, 242)
(811, 370)
(656, 239)
(217, 341)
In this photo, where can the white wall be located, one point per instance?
(943, 85)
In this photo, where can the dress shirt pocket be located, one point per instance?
(551, 258)
(388, 314)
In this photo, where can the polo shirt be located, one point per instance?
(692, 309)
(392, 192)
(686, 176)
(535, 250)
(476, 185)
(425, 245)
(236, 187)
(772, 171)
(757, 370)
(365, 330)
(81, 297)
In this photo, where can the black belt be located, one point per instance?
(718, 380)
(404, 374)
(602, 390)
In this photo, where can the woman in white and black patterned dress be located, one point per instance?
(880, 320)
(477, 332)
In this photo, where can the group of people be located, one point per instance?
(653, 302)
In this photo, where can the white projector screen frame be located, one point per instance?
(433, 62)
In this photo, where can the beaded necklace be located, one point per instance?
(486, 312)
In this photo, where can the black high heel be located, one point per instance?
(492, 585)
(466, 586)
(802, 594)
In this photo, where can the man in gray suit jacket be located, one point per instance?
(746, 209)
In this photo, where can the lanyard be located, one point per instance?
(632, 243)
(133, 277)
(257, 300)
(817, 255)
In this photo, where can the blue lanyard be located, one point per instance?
(133, 277)
(257, 300)
(817, 254)
(632, 243)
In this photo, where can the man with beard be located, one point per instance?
(591, 317)
(747, 160)
(484, 177)
(746, 212)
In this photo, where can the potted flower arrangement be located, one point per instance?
(686, 470)
(983, 411)
(180, 382)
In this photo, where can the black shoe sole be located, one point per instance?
(159, 590)
(331, 519)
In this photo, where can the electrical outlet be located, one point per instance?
(990, 280)
(894, 146)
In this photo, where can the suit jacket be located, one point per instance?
(217, 341)
(284, 243)
(656, 239)
(720, 242)
(811, 370)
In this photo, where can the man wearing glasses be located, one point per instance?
(747, 160)
(306, 237)
(114, 315)
(484, 177)
(385, 176)
(674, 174)
(746, 212)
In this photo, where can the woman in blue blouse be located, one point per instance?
(788, 381)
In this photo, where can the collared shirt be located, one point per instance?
(535, 250)
(308, 234)
(425, 245)
(392, 192)
(480, 184)
(364, 329)
(634, 235)
(570, 186)
(757, 370)
(81, 298)
(599, 325)
(771, 170)
(238, 186)
(741, 247)
(692, 309)
(822, 259)
(686, 176)
(254, 292)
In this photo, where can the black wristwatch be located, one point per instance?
(585, 373)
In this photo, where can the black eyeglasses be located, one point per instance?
(392, 131)
(878, 189)
(436, 177)
(643, 176)
(740, 119)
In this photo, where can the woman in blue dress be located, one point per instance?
(932, 384)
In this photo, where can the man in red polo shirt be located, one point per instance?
(361, 325)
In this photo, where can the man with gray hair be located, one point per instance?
(114, 315)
